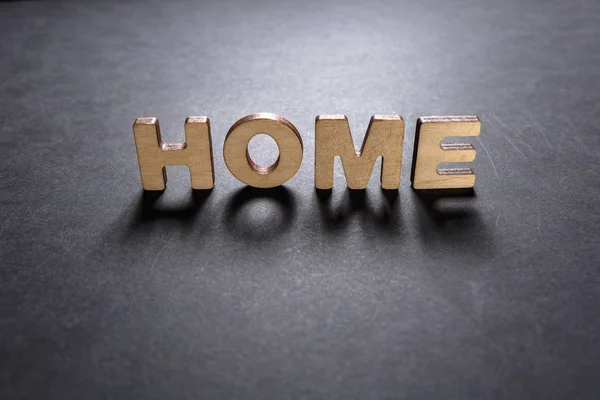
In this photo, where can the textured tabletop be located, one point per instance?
(107, 292)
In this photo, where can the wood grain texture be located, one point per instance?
(154, 154)
(239, 162)
(384, 137)
(429, 152)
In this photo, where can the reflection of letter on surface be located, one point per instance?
(429, 152)
(154, 154)
(385, 137)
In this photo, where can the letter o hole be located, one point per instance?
(238, 160)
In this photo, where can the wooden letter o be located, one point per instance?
(237, 158)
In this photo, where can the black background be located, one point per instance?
(288, 293)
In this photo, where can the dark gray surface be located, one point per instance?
(106, 293)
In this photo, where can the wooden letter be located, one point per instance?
(429, 151)
(237, 159)
(384, 137)
(154, 154)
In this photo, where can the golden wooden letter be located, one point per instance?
(237, 158)
(385, 137)
(154, 154)
(429, 152)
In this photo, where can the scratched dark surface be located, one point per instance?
(289, 293)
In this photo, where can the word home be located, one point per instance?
(384, 137)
